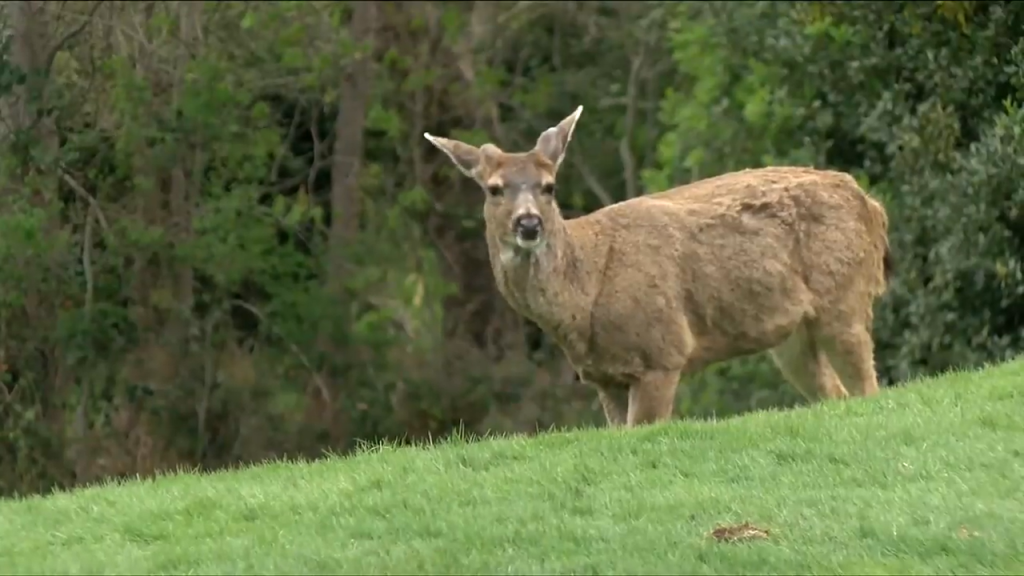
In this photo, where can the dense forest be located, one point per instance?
(223, 237)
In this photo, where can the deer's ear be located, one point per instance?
(554, 141)
(467, 158)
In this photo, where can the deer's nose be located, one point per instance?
(527, 226)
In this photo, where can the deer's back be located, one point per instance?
(728, 264)
(828, 228)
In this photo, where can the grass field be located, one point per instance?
(925, 480)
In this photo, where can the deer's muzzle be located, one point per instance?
(527, 227)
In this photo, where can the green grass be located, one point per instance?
(927, 480)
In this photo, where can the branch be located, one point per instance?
(87, 197)
(70, 36)
(652, 93)
(3, 361)
(399, 314)
(276, 168)
(314, 131)
(80, 423)
(288, 184)
(612, 101)
(324, 394)
(209, 372)
(87, 261)
(628, 161)
(592, 181)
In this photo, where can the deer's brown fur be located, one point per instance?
(785, 259)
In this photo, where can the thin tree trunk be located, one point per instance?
(346, 162)
(182, 192)
(347, 157)
(146, 192)
(24, 111)
(36, 177)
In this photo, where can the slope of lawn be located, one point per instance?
(927, 479)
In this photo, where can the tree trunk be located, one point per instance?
(29, 52)
(25, 109)
(346, 162)
(182, 192)
(34, 177)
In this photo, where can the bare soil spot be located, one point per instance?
(739, 533)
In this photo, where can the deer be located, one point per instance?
(644, 292)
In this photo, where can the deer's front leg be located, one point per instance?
(652, 398)
(615, 401)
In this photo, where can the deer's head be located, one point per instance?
(520, 208)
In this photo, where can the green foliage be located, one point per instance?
(732, 110)
(175, 289)
(208, 120)
(963, 303)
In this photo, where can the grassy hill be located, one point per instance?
(926, 479)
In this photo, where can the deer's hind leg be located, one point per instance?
(806, 366)
(851, 350)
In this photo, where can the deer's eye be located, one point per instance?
(495, 190)
(548, 189)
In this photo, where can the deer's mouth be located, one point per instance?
(529, 243)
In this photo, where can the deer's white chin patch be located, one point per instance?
(529, 244)
(521, 251)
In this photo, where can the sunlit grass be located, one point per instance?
(926, 479)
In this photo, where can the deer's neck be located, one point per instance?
(548, 285)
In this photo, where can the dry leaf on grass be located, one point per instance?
(964, 533)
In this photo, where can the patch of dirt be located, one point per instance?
(739, 533)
